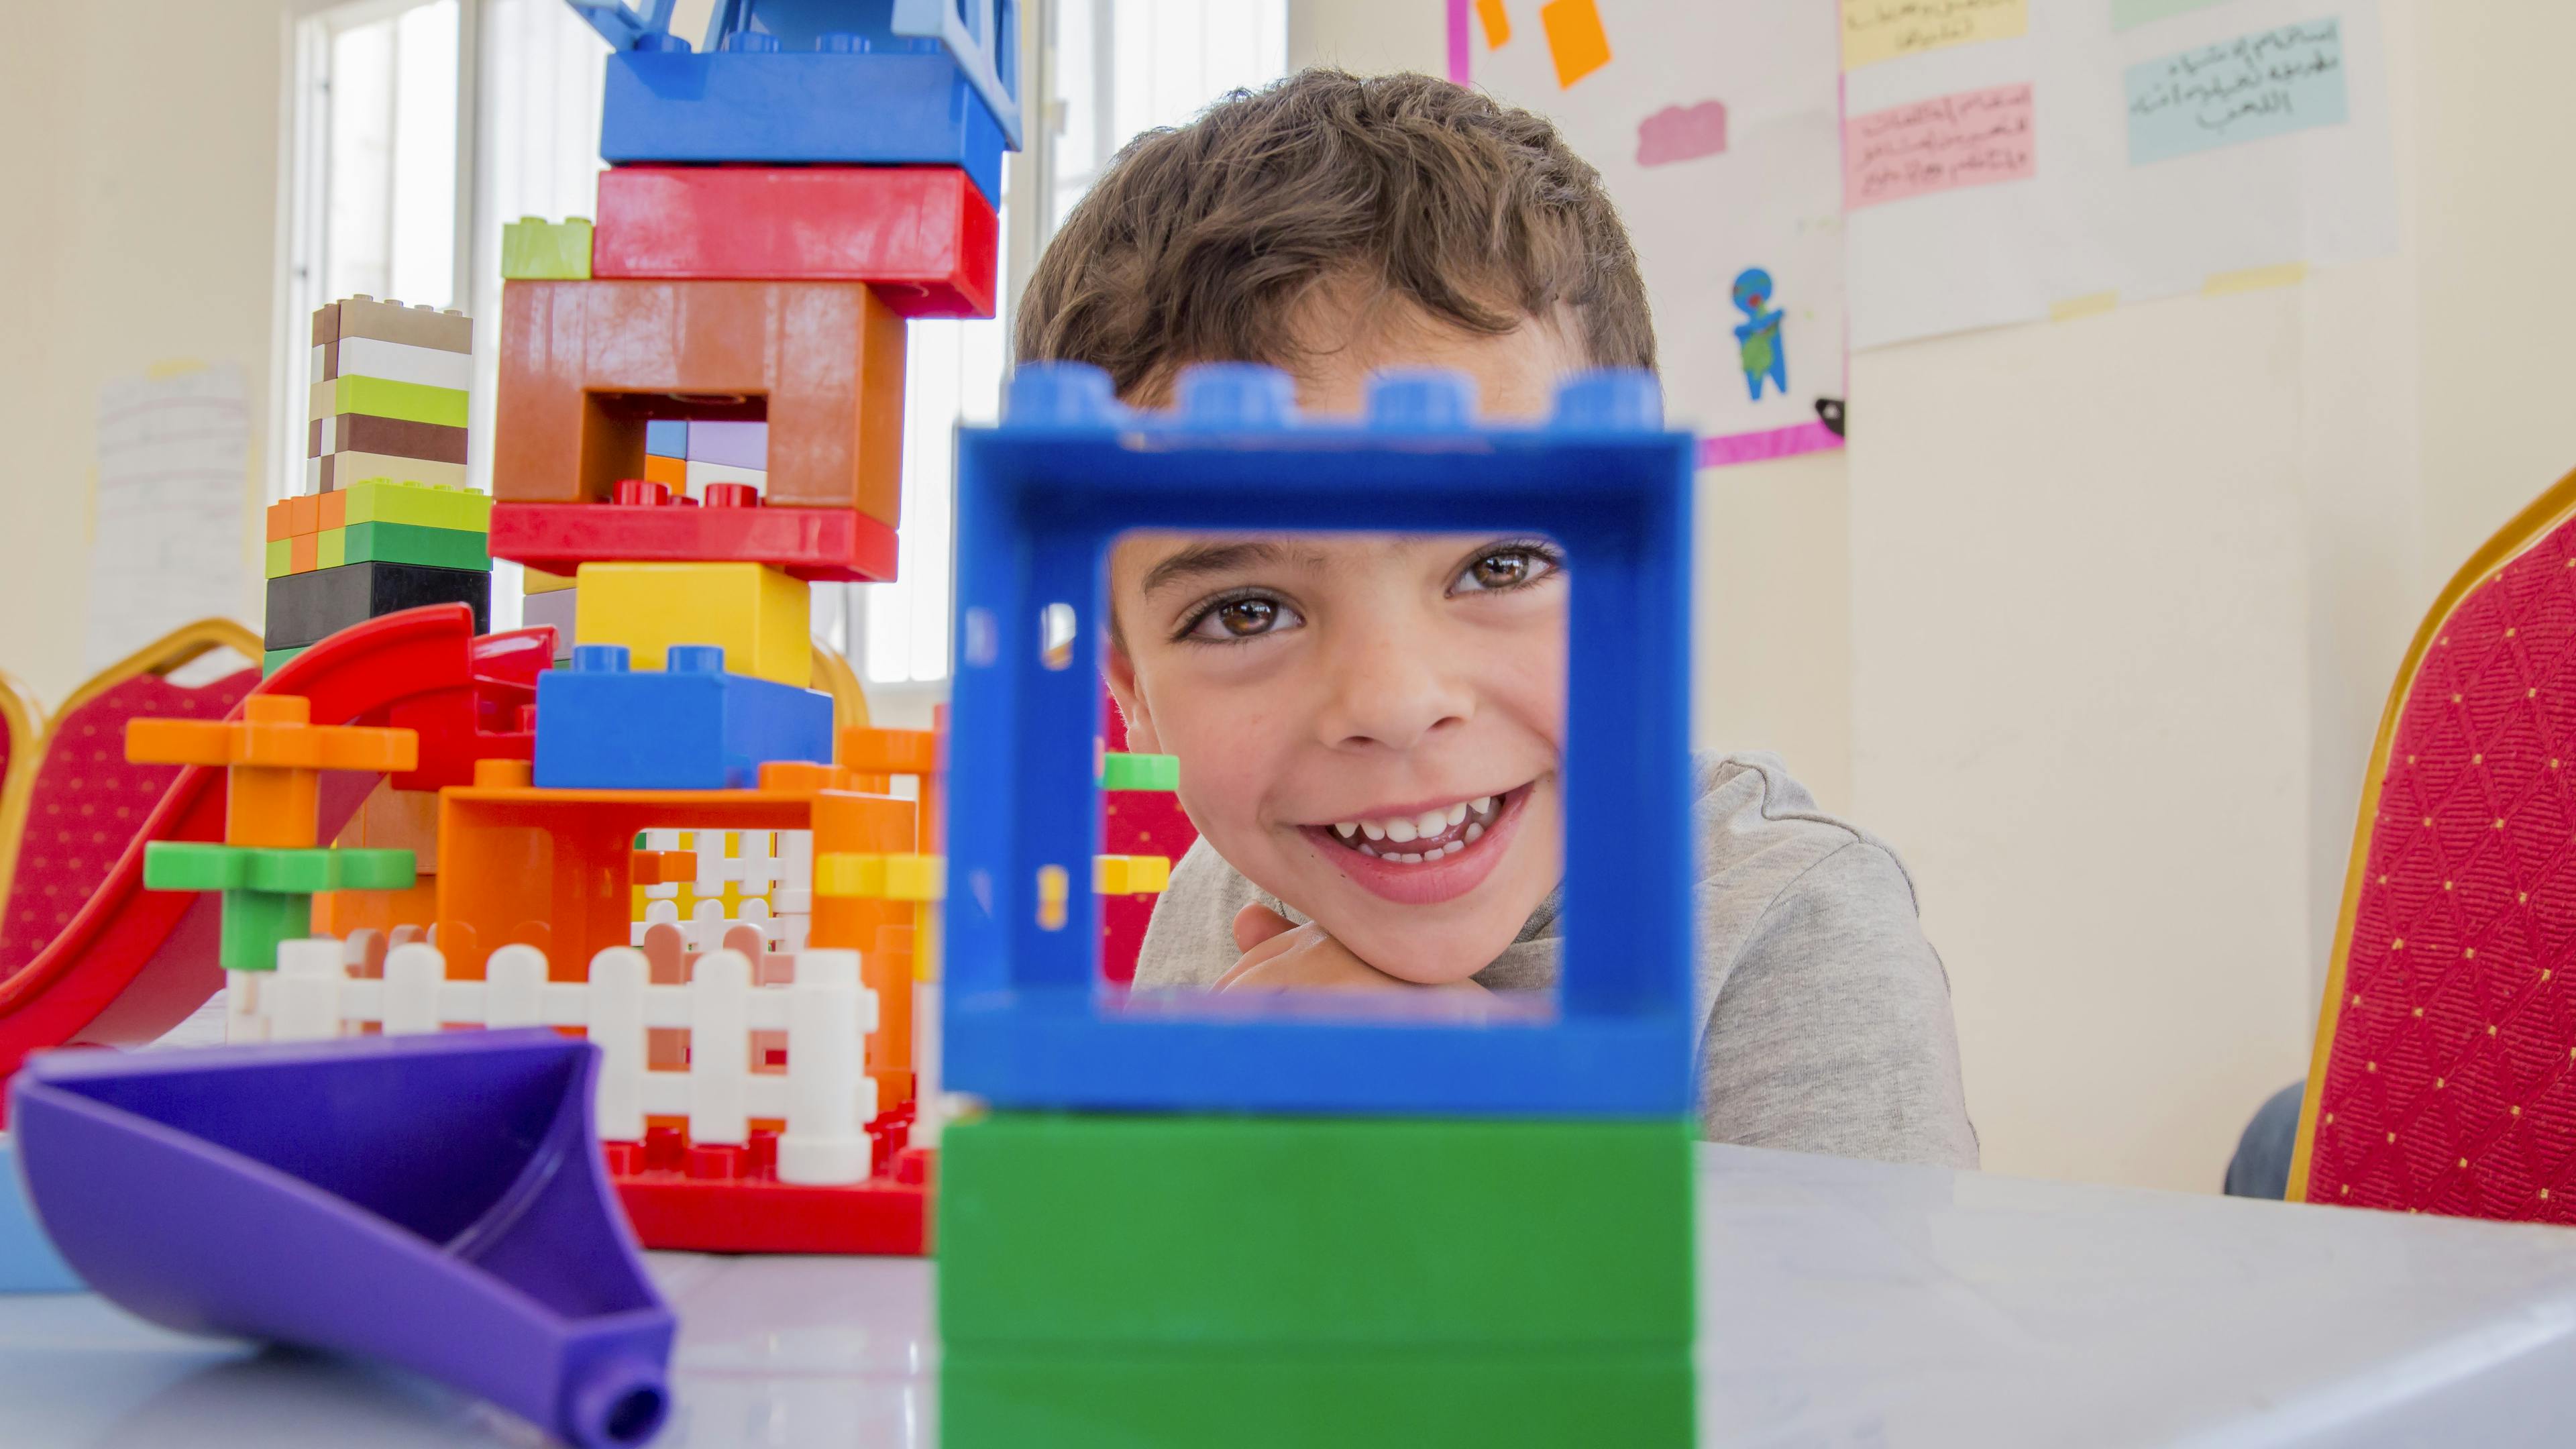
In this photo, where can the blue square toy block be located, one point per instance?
(783, 107)
(688, 726)
(1041, 497)
(666, 438)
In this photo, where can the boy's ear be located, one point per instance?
(1121, 675)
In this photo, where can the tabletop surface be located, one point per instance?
(1841, 1303)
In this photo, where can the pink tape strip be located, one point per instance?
(1777, 443)
(1458, 27)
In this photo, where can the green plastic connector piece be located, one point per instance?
(190, 865)
(1140, 772)
(425, 505)
(383, 397)
(1066, 1231)
(255, 922)
(535, 249)
(1416, 1397)
(275, 659)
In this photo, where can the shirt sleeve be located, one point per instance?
(1832, 1032)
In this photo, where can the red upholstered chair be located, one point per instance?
(84, 802)
(1140, 822)
(2445, 1071)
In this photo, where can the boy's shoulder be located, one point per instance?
(1756, 822)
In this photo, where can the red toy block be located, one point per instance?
(645, 523)
(729, 1199)
(921, 235)
(585, 364)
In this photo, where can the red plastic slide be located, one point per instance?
(134, 963)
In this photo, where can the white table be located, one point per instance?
(1841, 1304)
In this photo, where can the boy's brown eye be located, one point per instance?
(1502, 570)
(1246, 617)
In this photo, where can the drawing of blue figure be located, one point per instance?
(1759, 338)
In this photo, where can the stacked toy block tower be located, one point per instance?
(1358, 1220)
(384, 520)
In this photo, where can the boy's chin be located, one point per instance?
(1427, 957)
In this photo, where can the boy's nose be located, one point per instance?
(1388, 692)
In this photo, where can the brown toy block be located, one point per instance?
(393, 437)
(584, 365)
(421, 326)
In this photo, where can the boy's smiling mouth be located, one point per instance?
(1419, 855)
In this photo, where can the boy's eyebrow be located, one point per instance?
(1212, 558)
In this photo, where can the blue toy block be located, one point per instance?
(28, 1262)
(780, 107)
(1041, 497)
(688, 726)
(666, 438)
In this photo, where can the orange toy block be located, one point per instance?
(584, 364)
(889, 752)
(272, 757)
(671, 473)
(871, 825)
(662, 867)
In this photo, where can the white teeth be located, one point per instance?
(1401, 830)
(1409, 858)
(1374, 830)
(1475, 832)
(1453, 847)
(1457, 813)
(1431, 822)
(1371, 854)
(1345, 829)
(1481, 804)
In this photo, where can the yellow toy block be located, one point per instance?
(1130, 875)
(756, 614)
(853, 876)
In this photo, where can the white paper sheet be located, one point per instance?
(173, 477)
(2171, 141)
(1715, 126)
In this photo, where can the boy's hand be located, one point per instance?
(1278, 956)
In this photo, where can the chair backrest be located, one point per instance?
(2444, 1078)
(84, 803)
(22, 732)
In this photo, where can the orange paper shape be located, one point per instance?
(1575, 40)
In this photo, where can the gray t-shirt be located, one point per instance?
(1824, 1013)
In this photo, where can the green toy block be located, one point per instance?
(383, 397)
(382, 500)
(1058, 1230)
(331, 548)
(280, 558)
(1140, 772)
(191, 865)
(255, 922)
(412, 543)
(275, 659)
(1349, 1398)
(535, 249)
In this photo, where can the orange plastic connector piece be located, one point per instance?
(584, 364)
(273, 756)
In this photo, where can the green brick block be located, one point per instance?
(255, 922)
(280, 558)
(382, 500)
(1540, 1398)
(412, 543)
(535, 249)
(383, 397)
(1140, 772)
(330, 548)
(271, 661)
(189, 865)
(1067, 1229)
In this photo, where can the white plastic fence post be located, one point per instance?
(412, 973)
(511, 978)
(304, 998)
(242, 1019)
(829, 1098)
(707, 926)
(617, 979)
(720, 1049)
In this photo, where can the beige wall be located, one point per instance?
(145, 134)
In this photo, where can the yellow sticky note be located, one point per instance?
(1498, 26)
(1876, 30)
(2254, 279)
(1575, 40)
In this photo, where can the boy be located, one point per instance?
(1368, 727)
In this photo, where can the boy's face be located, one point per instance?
(1369, 726)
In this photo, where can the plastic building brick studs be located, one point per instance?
(688, 726)
(645, 522)
(758, 615)
(364, 316)
(534, 248)
(585, 364)
(1041, 498)
(922, 235)
(208, 1192)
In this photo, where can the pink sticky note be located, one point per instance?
(1974, 138)
(1681, 133)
